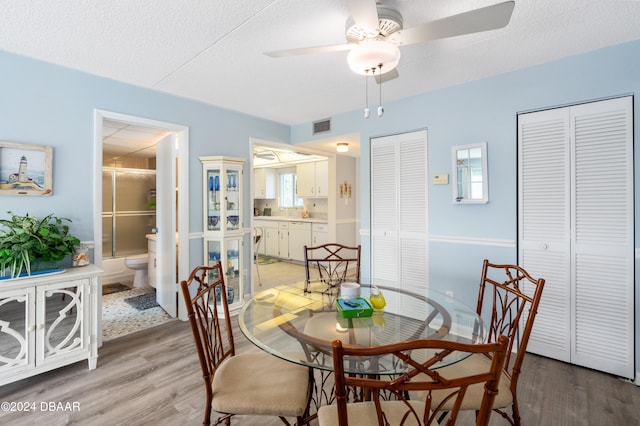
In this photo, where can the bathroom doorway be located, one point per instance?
(171, 166)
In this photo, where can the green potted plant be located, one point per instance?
(28, 241)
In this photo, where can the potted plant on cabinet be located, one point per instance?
(28, 244)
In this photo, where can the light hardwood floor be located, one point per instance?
(153, 378)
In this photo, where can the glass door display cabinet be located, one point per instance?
(223, 222)
(229, 252)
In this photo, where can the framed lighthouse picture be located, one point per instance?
(25, 169)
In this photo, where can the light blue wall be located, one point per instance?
(480, 111)
(49, 105)
(44, 104)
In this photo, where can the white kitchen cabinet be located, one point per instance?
(261, 226)
(312, 179)
(269, 242)
(272, 243)
(322, 178)
(223, 219)
(319, 234)
(48, 321)
(299, 236)
(283, 240)
(306, 179)
(264, 183)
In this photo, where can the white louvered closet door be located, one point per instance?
(598, 275)
(399, 211)
(544, 224)
(413, 212)
(384, 210)
(603, 251)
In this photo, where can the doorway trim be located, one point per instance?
(182, 137)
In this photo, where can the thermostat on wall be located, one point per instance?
(441, 179)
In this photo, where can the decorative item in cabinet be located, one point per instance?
(223, 222)
(228, 251)
(223, 193)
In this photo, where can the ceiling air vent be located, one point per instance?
(322, 126)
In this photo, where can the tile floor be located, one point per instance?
(120, 319)
(278, 273)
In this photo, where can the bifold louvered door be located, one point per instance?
(575, 229)
(399, 207)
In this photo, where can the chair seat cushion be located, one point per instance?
(473, 397)
(260, 384)
(364, 413)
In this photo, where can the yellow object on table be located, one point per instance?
(377, 299)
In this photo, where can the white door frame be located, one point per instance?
(166, 205)
(182, 137)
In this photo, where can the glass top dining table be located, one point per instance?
(300, 327)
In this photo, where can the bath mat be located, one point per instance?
(114, 288)
(142, 302)
(267, 260)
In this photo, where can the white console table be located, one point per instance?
(48, 321)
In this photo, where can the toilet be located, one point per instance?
(138, 263)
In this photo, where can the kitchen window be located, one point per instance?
(287, 189)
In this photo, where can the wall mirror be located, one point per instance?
(470, 174)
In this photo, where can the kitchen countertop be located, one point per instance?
(290, 219)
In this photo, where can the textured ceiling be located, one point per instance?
(211, 51)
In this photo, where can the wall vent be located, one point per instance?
(322, 126)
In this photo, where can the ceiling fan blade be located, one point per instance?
(308, 50)
(383, 78)
(474, 21)
(365, 15)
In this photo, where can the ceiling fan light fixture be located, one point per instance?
(342, 147)
(371, 54)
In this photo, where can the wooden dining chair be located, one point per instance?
(330, 265)
(510, 311)
(389, 403)
(243, 384)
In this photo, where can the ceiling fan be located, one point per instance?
(374, 33)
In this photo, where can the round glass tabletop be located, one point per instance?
(299, 327)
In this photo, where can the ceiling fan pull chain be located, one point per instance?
(366, 94)
(380, 109)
